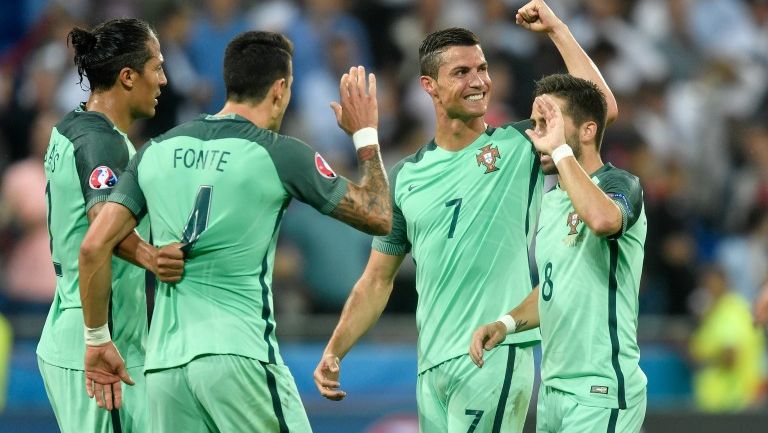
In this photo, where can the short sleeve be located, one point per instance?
(306, 175)
(101, 155)
(625, 190)
(395, 243)
(128, 192)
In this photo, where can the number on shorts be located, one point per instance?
(477, 414)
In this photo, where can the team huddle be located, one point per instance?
(200, 206)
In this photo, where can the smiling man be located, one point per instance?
(464, 206)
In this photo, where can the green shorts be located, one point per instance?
(225, 393)
(559, 412)
(76, 413)
(458, 397)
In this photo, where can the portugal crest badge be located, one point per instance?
(487, 157)
(573, 237)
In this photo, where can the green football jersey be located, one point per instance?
(588, 296)
(220, 184)
(467, 218)
(86, 156)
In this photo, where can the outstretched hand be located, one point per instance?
(169, 263)
(549, 131)
(486, 337)
(327, 378)
(358, 109)
(537, 16)
(104, 372)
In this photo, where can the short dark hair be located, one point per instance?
(252, 62)
(584, 101)
(102, 52)
(434, 45)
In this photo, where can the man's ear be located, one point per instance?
(588, 132)
(126, 77)
(429, 85)
(278, 89)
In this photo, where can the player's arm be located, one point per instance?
(167, 263)
(365, 206)
(363, 308)
(104, 367)
(113, 223)
(598, 211)
(100, 157)
(538, 17)
(522, 318)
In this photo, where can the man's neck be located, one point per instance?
(110, 104)
(456, 134)
(257, 114)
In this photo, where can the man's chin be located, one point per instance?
(547, 165)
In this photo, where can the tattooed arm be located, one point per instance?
(365, 206)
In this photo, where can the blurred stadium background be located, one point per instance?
(690, 77)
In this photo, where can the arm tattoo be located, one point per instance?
(367, 206)
(520, 324)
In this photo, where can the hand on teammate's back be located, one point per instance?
(537, 17)
(104, 370)
(358, 109)
(168, 263)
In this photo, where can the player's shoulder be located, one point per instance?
(78, 124)
(511, 129)
(413, 159)
(611, 173)
(207, 127)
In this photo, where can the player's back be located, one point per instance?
(214, 184)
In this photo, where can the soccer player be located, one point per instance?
(220, 184)
(589, 251)
(464, 206)
(87, 154)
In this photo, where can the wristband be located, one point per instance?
(97, 336)
(365, 137)
(509, 323)
(561, 152)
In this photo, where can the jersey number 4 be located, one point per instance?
(198, 218)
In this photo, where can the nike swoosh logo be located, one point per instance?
(540, 229)
(411, 187)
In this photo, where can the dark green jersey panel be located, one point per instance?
(100, 155)
(465, 216)
(84, 161)
(221, 184)
(623, 188)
